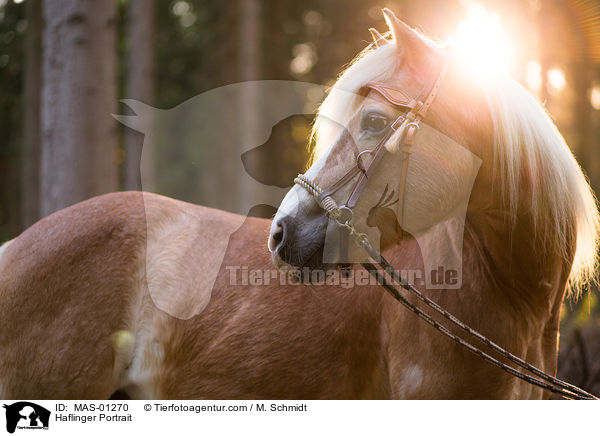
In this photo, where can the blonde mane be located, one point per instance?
(525, 140)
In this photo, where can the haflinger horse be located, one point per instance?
(78, 320)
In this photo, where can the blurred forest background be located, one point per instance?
(64, 66)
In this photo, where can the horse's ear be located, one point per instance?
(409, 43)
(378, 38)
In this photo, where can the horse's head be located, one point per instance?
(439, 173)
(483, 144)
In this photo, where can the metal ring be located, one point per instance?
(345, 215)
(359, 161)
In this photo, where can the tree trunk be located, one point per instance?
(139, 86)
(79, 135)
(30, 161)
(581, 74)
(249, 113)
(217, 161)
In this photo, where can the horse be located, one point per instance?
(79, 320)
(530, 226)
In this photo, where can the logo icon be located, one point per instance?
(26, 415)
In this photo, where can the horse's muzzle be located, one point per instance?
(299, 242)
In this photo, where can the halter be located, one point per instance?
(407, 123)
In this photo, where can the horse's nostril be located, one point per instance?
(277, 238)
(278, 235)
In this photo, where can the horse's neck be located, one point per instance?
(489, 255)
(442, 253)
(511, 254)
(509, 292)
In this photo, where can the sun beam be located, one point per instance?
(481, 44)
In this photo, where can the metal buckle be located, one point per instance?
(398, 122)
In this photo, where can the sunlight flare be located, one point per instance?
(556, 80)
(481, 43)
(595, 97)
(533, 75)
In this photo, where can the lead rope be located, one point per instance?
(547, 381)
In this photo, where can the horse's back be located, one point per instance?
(68, 285)
(56, 279)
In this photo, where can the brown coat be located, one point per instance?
(78, 320)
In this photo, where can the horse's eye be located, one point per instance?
(374, 123)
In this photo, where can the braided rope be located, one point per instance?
(308, 184)
(330, 207)
(327, 203)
